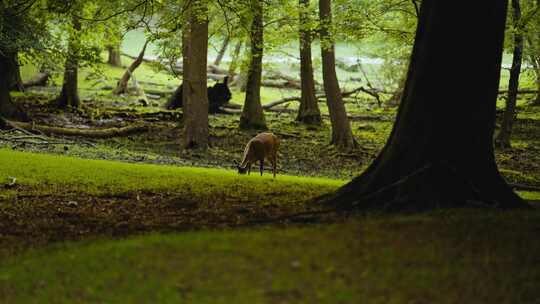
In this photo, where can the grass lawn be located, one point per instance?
(458, 256)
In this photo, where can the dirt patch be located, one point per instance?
(43, 219)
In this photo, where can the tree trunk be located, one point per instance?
(7, 108)
(222, 51)
(252, 113)
(114, 55)
(536, 101)
(398, 94)
(15, 83)
(234, 59)
(535, 61)
(341, 129)
(308, 112)
(195, 92)
(122, 86)
(431, 160)
(503, 138)
(69, 96)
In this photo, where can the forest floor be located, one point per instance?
(95, 227)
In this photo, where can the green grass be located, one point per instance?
(57, 174)
(451, 257)
(458, 256)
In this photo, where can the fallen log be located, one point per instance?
(524, 187)
(524, 91)
(39, 80)
(92, 133)
(374, 93)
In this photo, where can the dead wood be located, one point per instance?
(524, 187)
(39, 80)
(374, 93)
(523, 91)
(91, 133)
(122, 84)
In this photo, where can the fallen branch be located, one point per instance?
(123, 83)
(374, 93)
(524, 187)
(92, 133)
(524, 91)
(39, 80)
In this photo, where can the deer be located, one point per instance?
(262, 146)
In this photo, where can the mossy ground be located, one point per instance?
(82, 230)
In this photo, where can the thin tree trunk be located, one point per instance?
(535, 61)
(234, 59)
(308, 112)
(252, 113)
(178, 98)
(195, 86)
(503, 138)
(7, 108)
(222, 50)
(114, 55)
(536, 101)
(398, 94)
(69, 96)
(122, 86)
(341, 129)
(429, 160)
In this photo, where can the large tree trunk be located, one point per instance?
(122, 86)
(69, 96)
(341, 129)
(195, 92)
(503, 139)
(252, 113)
(222, 50)
(7, 108)
(308, 112)
(115, 59)
(15, 81)
(440, 151)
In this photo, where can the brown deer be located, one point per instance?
(261, 147)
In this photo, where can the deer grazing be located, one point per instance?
(261, 147)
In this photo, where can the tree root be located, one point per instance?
(434, 186)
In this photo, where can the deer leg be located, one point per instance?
(249, 168)
(262, 166)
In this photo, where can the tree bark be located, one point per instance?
(69, 96)
(122, 86)
(7, 108)
(308, 112)
(115, 59)
(222, 50)
(194, 86)
(252, 114)
(430, 160)
(398, 94)
(341, 129)
(503, 138)
(16, 83)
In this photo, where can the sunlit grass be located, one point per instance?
(60, 174)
